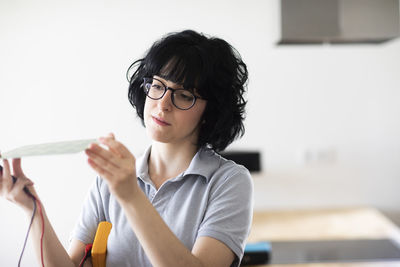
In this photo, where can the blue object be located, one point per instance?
(257, 247)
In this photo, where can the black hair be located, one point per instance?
(208, 64)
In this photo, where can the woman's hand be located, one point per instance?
(14, 192)
(115, 164)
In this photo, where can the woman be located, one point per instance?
(180, 203)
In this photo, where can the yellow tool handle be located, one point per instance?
(99, 249)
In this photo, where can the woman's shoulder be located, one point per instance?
(226, 169)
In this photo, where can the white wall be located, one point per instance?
(62, 77)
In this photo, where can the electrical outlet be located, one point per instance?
(318, 156)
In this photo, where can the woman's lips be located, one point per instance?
(160, 121)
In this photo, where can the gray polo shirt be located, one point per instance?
(213, 198)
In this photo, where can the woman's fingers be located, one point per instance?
(111, 145)
(97, 151)
(116, 147)
(18, 187)
(114, 153)
(14, 190)
(7, 181)
(101, 171)
(114, 162)
(101, 162)
(111, 135)
(16, 164)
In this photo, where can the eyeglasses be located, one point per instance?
(181, 98)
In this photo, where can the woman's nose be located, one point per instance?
(165, 103)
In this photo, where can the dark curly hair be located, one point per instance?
(211, 66)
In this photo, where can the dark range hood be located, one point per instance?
(339, 21)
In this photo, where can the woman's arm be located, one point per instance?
(77, 252)
(54, 253)
(163, 248)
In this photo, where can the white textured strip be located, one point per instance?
(65, 147)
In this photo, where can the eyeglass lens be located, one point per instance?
(181, 98)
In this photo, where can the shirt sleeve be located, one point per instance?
(91, 215)
(229, 213)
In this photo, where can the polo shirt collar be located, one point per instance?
(204, 163)
(142, 167)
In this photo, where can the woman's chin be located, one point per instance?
(158, 136)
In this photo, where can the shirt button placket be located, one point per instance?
(152, 194)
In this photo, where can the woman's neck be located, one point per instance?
(166, 161)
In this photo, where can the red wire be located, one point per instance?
(41, 238)
(88, 249)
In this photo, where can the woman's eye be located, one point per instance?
(185, 96)
(157, 87)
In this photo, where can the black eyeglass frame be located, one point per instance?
(166, 88)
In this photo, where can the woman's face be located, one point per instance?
(166, 123)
